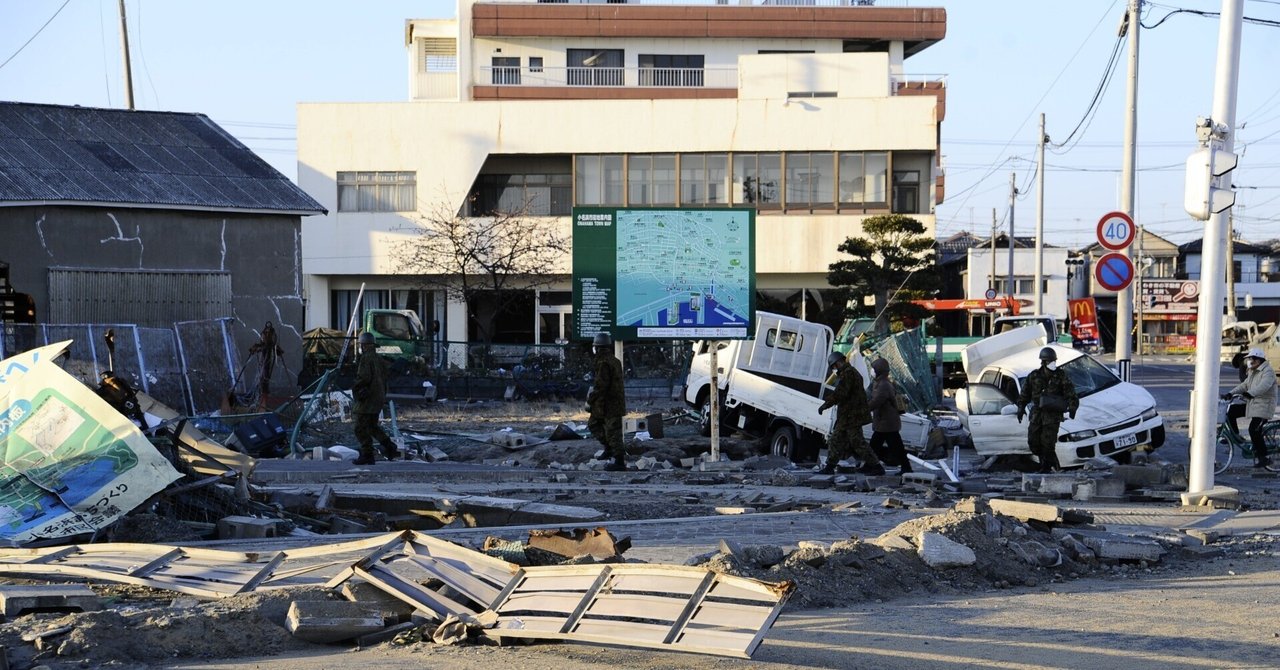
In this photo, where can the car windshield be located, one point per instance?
(1087, 376)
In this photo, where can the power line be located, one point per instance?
(46, 25)
(1112, 61)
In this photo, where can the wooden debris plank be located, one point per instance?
(611, 633)
(588, 599)
(690, 608)
(413, 593)
(466, 584)
(156, 563)
(56, 555)
(263, 574)
(494, 569)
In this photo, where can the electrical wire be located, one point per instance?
(1098, 93)
(142, 55)
(29, 40)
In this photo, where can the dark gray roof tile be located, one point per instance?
(113, 156)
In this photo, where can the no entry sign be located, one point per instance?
(1113, 272)
(1116, 230)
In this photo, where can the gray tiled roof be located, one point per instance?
(94, 156)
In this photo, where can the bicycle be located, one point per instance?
(1229, 440)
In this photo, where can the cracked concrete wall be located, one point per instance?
(262, 252)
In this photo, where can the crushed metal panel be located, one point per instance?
(203, 454)
(667, 607)
(72, 463)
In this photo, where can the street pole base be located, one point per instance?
(1208, 496)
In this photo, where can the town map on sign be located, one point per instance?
(683, 269)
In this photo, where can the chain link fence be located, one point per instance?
(909, 367)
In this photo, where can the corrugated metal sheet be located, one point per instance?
(116, 156)
(147, 298)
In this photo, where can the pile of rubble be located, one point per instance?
(975, 545)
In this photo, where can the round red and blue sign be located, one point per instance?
(1113, 272)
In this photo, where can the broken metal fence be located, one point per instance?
(511, 371)
(909, 367)
(188, 366)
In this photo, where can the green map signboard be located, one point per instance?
(649, 273)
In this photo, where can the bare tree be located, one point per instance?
(499, 257)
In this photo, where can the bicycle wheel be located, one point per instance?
(1271, 436)
(1223, 448)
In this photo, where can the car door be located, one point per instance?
(986, 410)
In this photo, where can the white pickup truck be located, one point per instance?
(772, 385)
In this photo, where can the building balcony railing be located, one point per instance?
(747, 3)
(644, 77)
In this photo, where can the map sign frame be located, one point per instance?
(663, 273)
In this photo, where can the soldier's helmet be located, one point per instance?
(1048, 354)
(366, 337)
(601, 340)
(834, 358)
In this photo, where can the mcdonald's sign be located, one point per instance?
(1084, 320)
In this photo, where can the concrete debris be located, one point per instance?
(941, 553)
(1025, 511)
(19, 600)
(327, 621)
(1034, 553)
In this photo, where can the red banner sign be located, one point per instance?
(1084, 320)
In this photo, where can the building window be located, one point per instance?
(906, 191)
(811, 179)
(651, 179)
(863, 176)
(598, 179)
(506, 71)
(671, 70)
(702, 179)
(527, 194)
(377, 192)
(535, 63)
(756, 179)
(439, 54)
(594, 67)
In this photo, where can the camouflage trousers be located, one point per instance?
(367, 430)
(1042, 438)
(608, 431)
(846, 440)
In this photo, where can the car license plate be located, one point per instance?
(1126, 440)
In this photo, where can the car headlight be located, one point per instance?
(1151, 413)
(1079, 435)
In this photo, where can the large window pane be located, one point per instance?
(613, 179)
(717, 179)
(823, 167)
(799, 180)
(744, 179)
(877, 177)
(770, 175)
(693, 179)
(852, 178)
(664, 179)
(639, 179)
(589, 180)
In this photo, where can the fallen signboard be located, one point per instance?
(69, 462)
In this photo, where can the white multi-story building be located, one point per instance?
(806, 112)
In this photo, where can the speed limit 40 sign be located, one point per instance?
(1116, 230)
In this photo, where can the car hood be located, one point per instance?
(1109, 406)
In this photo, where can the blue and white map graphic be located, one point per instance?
(684, 272)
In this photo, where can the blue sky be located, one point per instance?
(247, 64)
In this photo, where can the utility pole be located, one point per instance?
(1141, 266)
(1039, 290)
(1124, 298)
(1221, 135)
(128, 71)
(1013, 200)
(991, 326)
(1231, 265)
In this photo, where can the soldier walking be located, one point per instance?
(607, 402)
(1049, 393)
(370, 393)
(850, 399)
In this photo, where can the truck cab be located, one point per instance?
(398, 333)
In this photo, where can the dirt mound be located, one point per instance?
(1007, 553)
(145, 633)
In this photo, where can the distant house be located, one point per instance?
(112, 216)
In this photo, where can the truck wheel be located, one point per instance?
(782, 441)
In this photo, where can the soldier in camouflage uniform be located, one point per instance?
(1042, 434)
(370, 393)
(607, 402)
(850, 396)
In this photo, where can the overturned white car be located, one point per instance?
(1113, 418)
